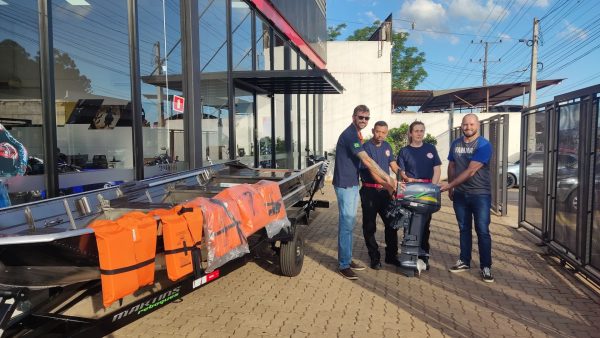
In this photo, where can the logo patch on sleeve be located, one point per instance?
(357, 145)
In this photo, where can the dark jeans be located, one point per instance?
(469, 207)
(374, 202)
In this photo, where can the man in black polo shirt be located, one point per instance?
(375, 199)
(349, 153)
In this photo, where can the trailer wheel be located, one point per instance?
(291, 255)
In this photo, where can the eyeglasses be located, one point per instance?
(366, 118)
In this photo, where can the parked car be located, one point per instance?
(535, 164)
(567, 187)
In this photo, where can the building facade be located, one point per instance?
(103, 92)
(365, 69)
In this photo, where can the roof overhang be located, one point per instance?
(309, 81)
(410, 98)
(430, 100)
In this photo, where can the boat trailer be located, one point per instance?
(49, 270)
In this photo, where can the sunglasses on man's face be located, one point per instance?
(366, 118)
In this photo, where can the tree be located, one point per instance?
(23, 71)
(67, 75)
(407, 62)
(334, 32)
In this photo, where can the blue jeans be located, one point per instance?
(469, 207)
(347, 205)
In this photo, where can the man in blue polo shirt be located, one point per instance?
(349, 153)
(470, 190)
(375, 199)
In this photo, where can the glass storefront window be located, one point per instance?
(22, 159)
(93, 94)
(262, 45)
(310, 120)
(278, 51)
(213, 80)
(281, 155)
(302, 123)
(161, 62)
(244, 126)
(294, 113)
(213, 35)
(263, 129)
(241, 29)
(303, 137)
(318, 124)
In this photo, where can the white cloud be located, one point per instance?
(573, 32)
(371, 16)
(505, 37)
(426, 15)
(477, 11)
(451, 58)
(454, 39)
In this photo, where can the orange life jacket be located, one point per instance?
(251, 204)
(143, 229)
(126, 250)
(182, 234)
(271, 194)
(225, 240)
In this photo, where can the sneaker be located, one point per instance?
(356, 267)
(426, 261)
(393, 261)
(348, 273)
(486, 275)
(376, 265)
(459, 267)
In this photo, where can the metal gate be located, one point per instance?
(495, 129)
(560, 196)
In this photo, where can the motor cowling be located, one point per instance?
(420, 197)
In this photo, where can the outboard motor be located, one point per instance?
(410, 210)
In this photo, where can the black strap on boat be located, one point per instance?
(235, 223)
(184, 210)
(127, 268)
(225, 228)
(182, 249)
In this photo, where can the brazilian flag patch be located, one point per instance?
(356, 145)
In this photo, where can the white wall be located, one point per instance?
(366, 78)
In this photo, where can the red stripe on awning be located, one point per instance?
(271, 13)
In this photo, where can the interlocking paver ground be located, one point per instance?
(532, 295)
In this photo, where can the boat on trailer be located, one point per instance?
(49, 258)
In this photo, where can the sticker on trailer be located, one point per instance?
(209, 277)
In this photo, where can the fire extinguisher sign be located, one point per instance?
(178, 103)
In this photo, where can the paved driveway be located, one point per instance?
(532, 296)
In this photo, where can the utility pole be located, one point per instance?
(534, 53)
(485, 63)
(533, 43)
(158, 62)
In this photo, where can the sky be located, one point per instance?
(451, 32)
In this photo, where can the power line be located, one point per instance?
(411, 28)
